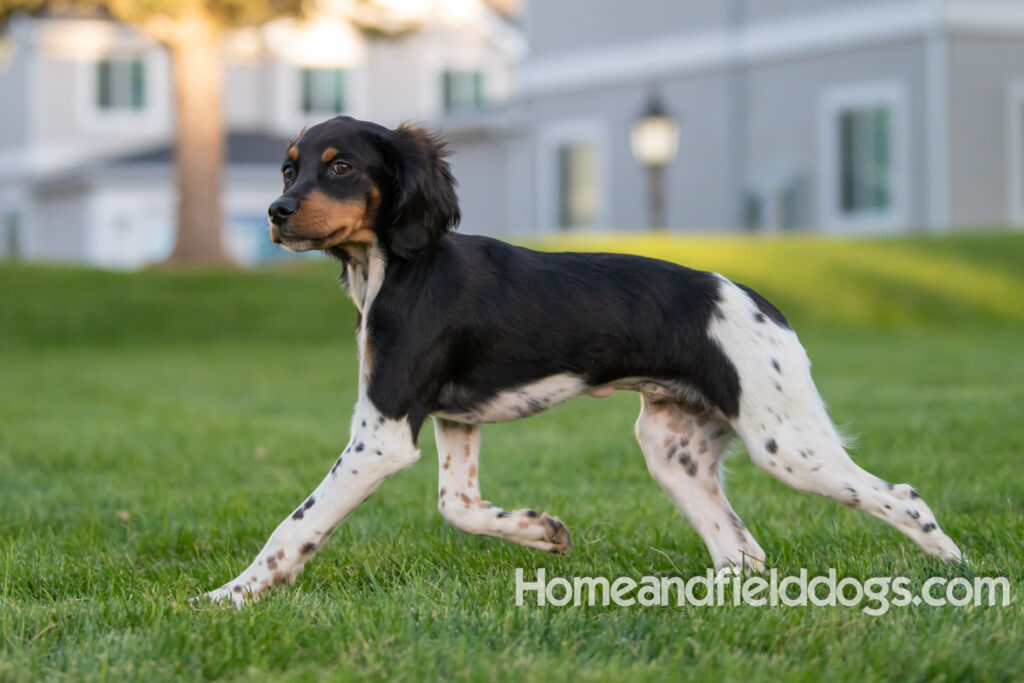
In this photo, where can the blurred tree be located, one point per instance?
(193, 32)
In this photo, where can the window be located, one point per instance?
(863, 156)
(865, 160)
(463, 90)
(121, 84)
(322, 91)
(577, 185)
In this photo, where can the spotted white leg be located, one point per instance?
(683, 448)
(379, 448)
(788, 433)
(460, 502)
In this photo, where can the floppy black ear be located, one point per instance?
(424, 204)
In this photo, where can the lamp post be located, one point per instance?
(654, 139)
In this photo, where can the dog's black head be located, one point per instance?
(349, 181)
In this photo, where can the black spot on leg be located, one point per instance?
(377, 452)
(913, 514)
(503, 513)
(359, 447)
(532, 514)
(854, 500)
(364, 423)
(308, 548)
(301, 511)
(776, 366)
(337, 464)
(914, 494)
(691, 468)
(771, 446)
(237, 588)
(930, 526)
(760, 317)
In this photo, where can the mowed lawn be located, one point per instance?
(155, 427)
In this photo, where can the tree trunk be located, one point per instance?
(197, 66)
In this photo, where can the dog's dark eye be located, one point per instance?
(340, 167)
(288, 172)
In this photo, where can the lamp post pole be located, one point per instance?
(656, 196)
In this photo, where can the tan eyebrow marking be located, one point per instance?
(328, 154)
(293, 152)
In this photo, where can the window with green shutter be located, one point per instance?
(121, 84)
(462, 90)
(322, 91)
(865, 159)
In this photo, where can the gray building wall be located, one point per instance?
(981, 71)
(782, 105)
(750, 90)
(480, 162)
(758, 10)
(747, 130)
(565, 26)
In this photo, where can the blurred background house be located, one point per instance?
(859, 116)
(837, 115)
(86, 119)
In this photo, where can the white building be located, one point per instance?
(86, 119)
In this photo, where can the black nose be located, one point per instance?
(281, 209)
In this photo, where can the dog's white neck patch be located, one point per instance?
(365, 275)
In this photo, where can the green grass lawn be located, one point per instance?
(155, 427)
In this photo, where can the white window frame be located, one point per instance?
(473, 70)
(288, 115)
(1015, 151)
(96, 118)
(835, 101)
(552, 137)
(346, 95)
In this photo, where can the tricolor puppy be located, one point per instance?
(469, 330)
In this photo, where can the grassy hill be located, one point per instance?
(155, 426)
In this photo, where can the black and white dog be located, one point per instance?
(469, 330)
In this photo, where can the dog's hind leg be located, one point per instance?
(683, 447)
(459, 498)
(788, 433)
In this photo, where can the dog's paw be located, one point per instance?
(557, 536)
(742, 562)
(235, 593)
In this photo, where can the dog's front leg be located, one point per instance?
(378, 449)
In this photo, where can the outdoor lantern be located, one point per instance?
(655, 135)
(654, 140)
